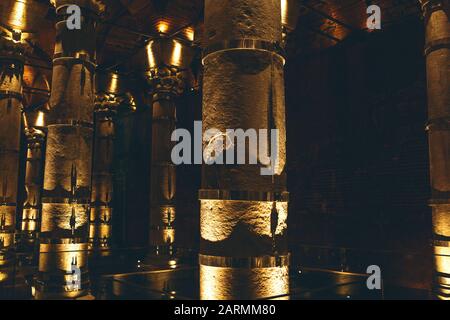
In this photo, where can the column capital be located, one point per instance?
(110, 104)
(165, 82)
(429, 6)
(11, 48)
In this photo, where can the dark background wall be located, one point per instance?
(358, 155)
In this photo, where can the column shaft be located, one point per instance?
(163, 178)
(437, 51)
(243, 253)
(112, 101)
(31, 212)
(11, 78)
(101, 212)
(68, 160)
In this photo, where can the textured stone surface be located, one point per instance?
(68, 160)
(11, 77)
(68, 147)
(234, 283)
(219, 218)
(243, 89)
(238, 19)
(437, 33)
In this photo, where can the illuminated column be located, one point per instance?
(66, 196)
(110, 96)
(243, 217)
(437, 52)
(167, 63)
(31, 212)
(11, 76)
(167, 84)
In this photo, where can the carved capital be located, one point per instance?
(165, 82)
(35, 137)
(109, 104)
(11, 49)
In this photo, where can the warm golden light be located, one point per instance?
(219, 218)
(40, 120)
(162, 26)
(173, 264)
(284, 12)
(3, 276)
(150, 55)
(219, 283)
(190, 33)
(176, 53)
(25, 121)
(114, 83)
(18, 16)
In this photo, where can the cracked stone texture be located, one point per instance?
(224, 225)
(72, 96)
(67, 146)
(56, 220)
(245, 89)
(237, 19)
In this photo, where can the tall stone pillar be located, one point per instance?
(66, 196)
(110, 96)
(11, 76)
(243, 218)
(167, 63)
(31, 213)
(167, 84)
(437, 52)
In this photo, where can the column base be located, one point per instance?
(230, 278)
(63, 272)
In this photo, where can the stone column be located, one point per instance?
(166, 84)
(31, 212)
(243, 218)
(167, 63)
(437, 52)
(110, 96)
(67, 179)
(11, 76)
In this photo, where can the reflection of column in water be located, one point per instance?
(244, 89)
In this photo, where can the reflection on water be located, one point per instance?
(122, 275)
(218, 283)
